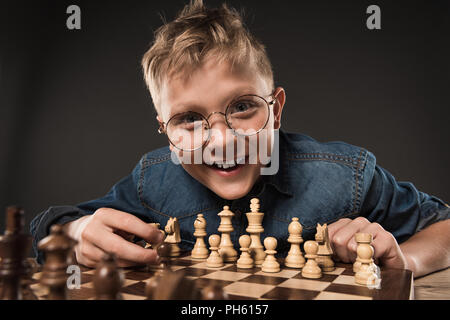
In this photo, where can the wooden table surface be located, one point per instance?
(435, 286)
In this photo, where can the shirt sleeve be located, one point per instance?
(122, 196)
(399, 207)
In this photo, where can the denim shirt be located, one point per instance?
(316, 182)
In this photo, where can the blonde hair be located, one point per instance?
(181, 46)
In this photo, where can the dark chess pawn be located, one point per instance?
(214, 292)
(14, 248)
(57, 248)
(108, 279)
(167, 284)
(164, 251)
(153, 283)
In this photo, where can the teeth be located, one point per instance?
(222, 165)
(240, 160)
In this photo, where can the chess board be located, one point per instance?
(252, 284)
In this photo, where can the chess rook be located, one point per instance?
(226, 249)
(360, 239)
(200, 251)
(295, 257)
(14, 248)
(366, 273)
(255, 228)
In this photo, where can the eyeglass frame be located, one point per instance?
(163, 125)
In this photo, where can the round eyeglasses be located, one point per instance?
(246, 116)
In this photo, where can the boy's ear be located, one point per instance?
(158, 118)
(280, 96)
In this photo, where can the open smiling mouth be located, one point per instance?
(227, 168)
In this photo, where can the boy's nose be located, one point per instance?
(221, 135)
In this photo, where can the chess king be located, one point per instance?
(212, 86)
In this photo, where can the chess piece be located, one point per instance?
(325, 252)
(366, 273)
(270, 263)
(200, 252)
(164, 252)
(245, 261)
(167, 284)
(311, 269)
(163, 268)
(152, 285)
(57, 248)
(214, 260)
(175, 286)
(147, 245)
(14, 248)
(255, 228)
(295, 257)
(108, 279)
(360, 239)
(31, 267)
(173, 236)
(226, 249)
(214, 292)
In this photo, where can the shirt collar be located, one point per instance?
(280, 180)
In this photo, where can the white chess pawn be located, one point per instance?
(214, 260)
(245, 261)
(270, 264)
(200, 252)
(311, 269)
(295, 257)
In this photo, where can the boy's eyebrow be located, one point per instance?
(230, 97)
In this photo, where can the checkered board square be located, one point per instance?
(252, 283)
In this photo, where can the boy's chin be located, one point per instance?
(230, 193)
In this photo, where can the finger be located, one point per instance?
(91, 251)
(126, 235)
(127, 264)
(342, 237)
(386, 248)
(334, 227)
(372, 228)
(126, 250)
(87, 262)
(332, 230)
(119, 220)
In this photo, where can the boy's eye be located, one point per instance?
(242, 108)
(187, 121)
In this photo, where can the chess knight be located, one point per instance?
(173, 237)
(325, 252)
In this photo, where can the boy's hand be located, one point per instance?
(387, 250)
(110, 230)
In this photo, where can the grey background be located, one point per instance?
(75, 116)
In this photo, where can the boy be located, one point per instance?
(212, 86)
